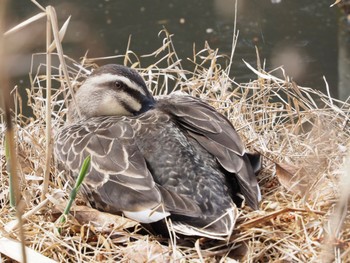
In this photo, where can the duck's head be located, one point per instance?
(111, 90)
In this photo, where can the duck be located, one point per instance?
(155, 158)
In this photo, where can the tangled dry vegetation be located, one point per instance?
(302, 134)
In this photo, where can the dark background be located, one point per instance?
(307, 37)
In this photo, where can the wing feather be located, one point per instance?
(118, 178)
(217, 135)
(118, 172)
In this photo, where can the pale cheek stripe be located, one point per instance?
(104, 78)
(130, 101)
(123, 105)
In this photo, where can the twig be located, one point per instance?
(48, 150)
(59, 48)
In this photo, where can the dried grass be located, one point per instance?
(302, 132)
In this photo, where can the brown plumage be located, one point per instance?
(174, 156)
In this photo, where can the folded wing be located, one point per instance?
(217, 135)
(118, 178)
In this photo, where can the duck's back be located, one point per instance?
(180, 164)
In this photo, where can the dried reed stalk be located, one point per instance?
(48, 107)
(15, 189)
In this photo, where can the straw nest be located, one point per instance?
(302, 134)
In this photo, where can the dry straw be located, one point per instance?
(302, 133)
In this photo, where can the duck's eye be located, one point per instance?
(118, 84)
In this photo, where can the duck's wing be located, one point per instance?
(217, 135)
(118, 178)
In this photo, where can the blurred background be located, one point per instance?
(308, 38)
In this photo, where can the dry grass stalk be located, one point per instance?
(288, 124)
(48, 108)
(13, 175)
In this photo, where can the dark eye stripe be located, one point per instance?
(137, 95)
(134, 93)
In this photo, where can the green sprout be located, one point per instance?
(73, 194)
(8, 167)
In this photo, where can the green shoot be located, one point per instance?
(8, 167)
(73, 194)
